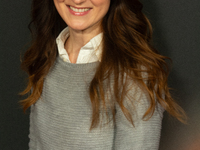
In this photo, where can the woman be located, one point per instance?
(96, 81)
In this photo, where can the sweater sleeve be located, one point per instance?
(146, 134)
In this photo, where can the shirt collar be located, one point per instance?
(94, 44)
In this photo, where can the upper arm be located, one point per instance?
(146, 134)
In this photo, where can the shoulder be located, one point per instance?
(137, 98)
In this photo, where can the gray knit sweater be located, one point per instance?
(61, 118)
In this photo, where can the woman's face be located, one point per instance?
(82, 14)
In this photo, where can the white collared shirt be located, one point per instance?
(90, 52)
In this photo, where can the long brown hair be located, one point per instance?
(127, 54)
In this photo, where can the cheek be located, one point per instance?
(58, 1)
(102, 5)
(59, 7)
(105, 3)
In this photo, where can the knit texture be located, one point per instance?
(61, 118)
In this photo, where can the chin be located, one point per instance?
(77, 26)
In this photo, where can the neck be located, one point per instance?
(77, 39)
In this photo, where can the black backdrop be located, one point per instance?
(176, 27)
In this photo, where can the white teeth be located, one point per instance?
(78, 10)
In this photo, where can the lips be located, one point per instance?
(78, 11)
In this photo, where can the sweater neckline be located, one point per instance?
(80, 67)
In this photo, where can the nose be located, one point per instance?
(78, 2)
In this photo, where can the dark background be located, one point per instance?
(176, 27)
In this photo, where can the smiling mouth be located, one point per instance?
(79, 9)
